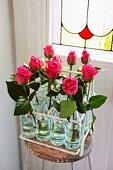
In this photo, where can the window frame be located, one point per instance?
(63, 50)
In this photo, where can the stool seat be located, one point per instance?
(57, 156)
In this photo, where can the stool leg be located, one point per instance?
(89, 160)
(26, 160)
(71, 165)
(43, 163)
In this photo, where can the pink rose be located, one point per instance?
(48, 51)
(85, 59)
(35, 63)
(23, 75)
(88, 72)
(53, 68)
(70, 85)
(72, 58)
(57, 58)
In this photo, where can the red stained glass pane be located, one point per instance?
(85, 33)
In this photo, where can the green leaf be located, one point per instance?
(35, 75)
(79, 95)
(59, 77)
(56, 105)
(15, 90)
(43, 79)
(97, 101)
(42, 73)
(88, 107)
(81, 107)
(98, 68)
(67, 108)
(55, 83)
(27, 91)
(61, 91)
(94, 119)
(34, 86)
(32, 95)
(52, 93)
(43, 82)
(81, 90)
(22, 107)
(80, 81)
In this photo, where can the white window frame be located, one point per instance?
(96, 55)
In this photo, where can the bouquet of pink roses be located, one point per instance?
(75, 85)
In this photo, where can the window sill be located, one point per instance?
(96, 55)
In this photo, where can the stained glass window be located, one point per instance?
(83, 23)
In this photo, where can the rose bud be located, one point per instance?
(85, 59)
(70, 85)
(35, 63)
(23, 75)
(88, 72)
(72, 58)
(48, 51)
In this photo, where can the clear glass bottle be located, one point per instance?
(57, 131)
(73, 133)
(42, 127)
(87, 122)
(42, 122)
(28, 126)
(40, 99)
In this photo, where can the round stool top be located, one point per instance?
(54, 155)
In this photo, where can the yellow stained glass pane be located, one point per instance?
(71, 39)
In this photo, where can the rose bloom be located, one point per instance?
(23, 75)
(70, 85)
(57, 58)
(88, 72)
(85, 59)
(48, 51)
(72, 58)
(53, 68)
(35, 63)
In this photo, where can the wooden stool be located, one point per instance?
(57, 156)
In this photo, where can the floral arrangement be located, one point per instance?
(74, 85)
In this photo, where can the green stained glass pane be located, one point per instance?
(108, 41)
(71, 39)
(102, 43)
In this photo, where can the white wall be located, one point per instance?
(30, 37)
(9, 148)
(30, 34)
